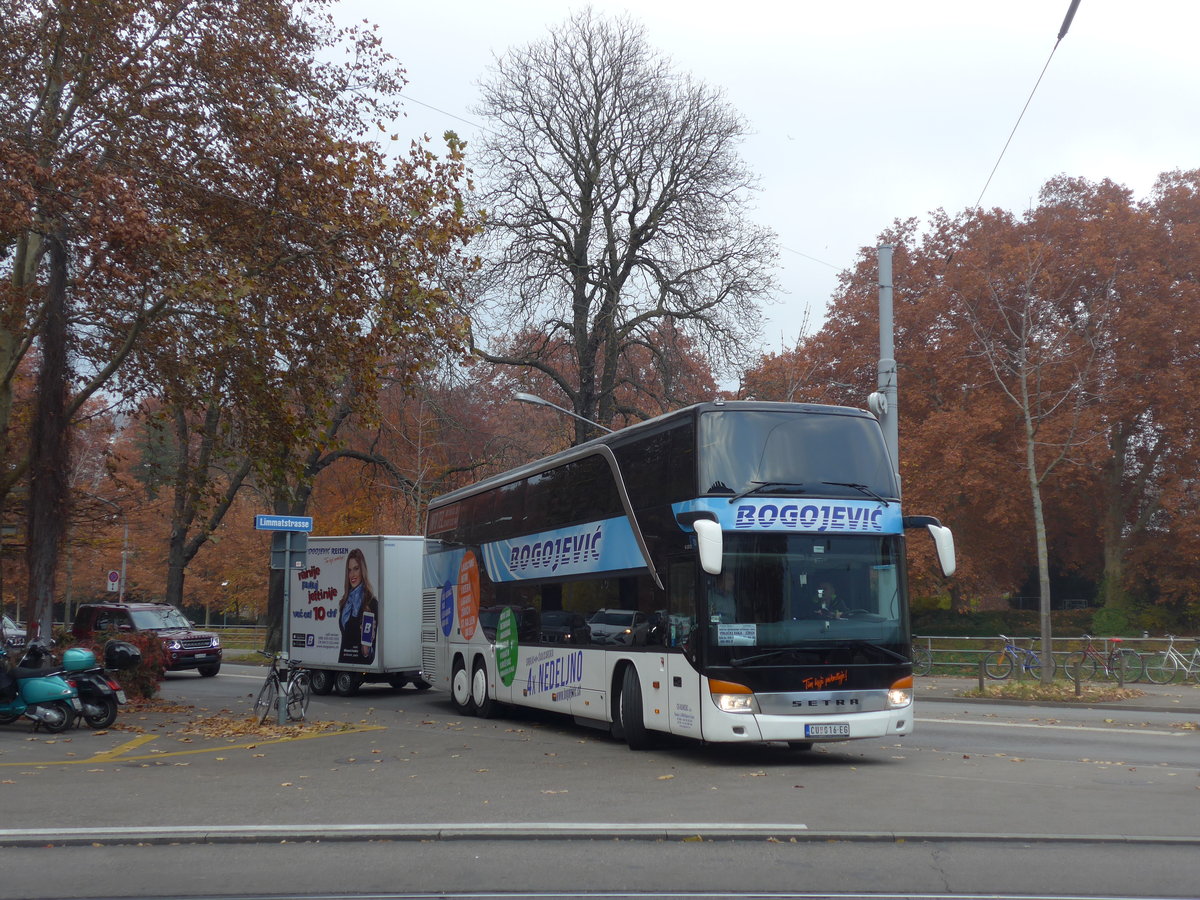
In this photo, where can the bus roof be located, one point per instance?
(634, 432)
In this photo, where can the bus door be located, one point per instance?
(683, 681)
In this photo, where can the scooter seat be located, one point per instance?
(34, 673)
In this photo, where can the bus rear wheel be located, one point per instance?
(633, 723)
(460, 689)
(485, 706)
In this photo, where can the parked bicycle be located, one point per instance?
(999, 664)
(1165, 667)
(922, 660)
(1119, 663)
(288, 678)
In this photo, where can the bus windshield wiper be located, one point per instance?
(772, 654)
(763, 485)
(881, 649)
(858, 487)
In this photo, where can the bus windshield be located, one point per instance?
(793, 452)
(805, 591)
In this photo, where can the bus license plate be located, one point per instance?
(828, 729)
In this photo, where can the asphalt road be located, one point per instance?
(984, 798)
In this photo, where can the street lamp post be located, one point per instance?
(538, 401)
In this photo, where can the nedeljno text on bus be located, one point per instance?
(733, 571)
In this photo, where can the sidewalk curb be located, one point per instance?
(559, 831)
(1130, 706)
(1155, 698)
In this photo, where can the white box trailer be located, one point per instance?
(354, 612)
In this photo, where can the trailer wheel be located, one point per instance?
(321, 681)
(346, 684)
(460, 689)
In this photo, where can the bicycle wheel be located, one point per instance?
(922, 661)
(297, 696)
(264, 705)
(1126, 665)
(1034, 664)
(1081, 666)
(997, 665)
(1160, 669)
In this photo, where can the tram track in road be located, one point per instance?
(668, 832)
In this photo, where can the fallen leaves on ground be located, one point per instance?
(189, 721)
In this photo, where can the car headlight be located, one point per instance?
(216, 641)
(900, 694)
(174, 645)
(732, 697)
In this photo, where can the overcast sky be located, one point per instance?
(864, 111)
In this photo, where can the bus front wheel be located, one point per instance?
(633, 723)
(460, 689)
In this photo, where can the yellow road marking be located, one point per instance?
(115, 755)
(124, 748)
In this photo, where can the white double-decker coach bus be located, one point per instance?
(734, 571)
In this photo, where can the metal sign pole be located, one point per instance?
(289, 551)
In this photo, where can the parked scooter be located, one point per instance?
(100, 695)
(39, 694)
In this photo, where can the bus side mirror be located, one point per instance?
(710, 545)
(943, 540)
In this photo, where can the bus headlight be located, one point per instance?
(732, 697)
(900, 694)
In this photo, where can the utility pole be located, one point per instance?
(884, 403)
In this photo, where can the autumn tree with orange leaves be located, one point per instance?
(1080, 303)
(196, 210)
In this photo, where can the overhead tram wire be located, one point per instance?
(1062, 33)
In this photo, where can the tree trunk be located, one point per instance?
(1039, 527)
(49, 492)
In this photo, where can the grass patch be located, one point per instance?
(1060, 692)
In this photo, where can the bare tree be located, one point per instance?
(616, 199)
(1038, 340)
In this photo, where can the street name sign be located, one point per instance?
(283, 523)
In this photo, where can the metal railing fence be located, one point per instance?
(961, 655)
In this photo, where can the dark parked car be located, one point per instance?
(14, 634)
(527, 622)
(184, 647)
(560, 626)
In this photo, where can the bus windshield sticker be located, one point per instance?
(737, 635)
